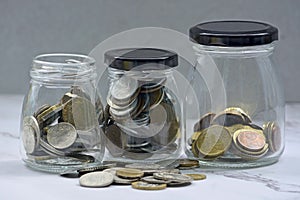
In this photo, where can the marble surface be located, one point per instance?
(278, 181)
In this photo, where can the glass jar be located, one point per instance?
(143, 118)
(61, 114)
(235, 108)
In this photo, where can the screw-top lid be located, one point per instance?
(128, 58)
(233, 33)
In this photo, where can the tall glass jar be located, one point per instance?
(236, 118)
(143, 118)
(61, 114)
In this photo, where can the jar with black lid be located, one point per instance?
(143, 118)
(236, 118)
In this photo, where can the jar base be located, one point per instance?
(241, 164)
(56, 168)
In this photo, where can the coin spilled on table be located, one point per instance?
(141, 176)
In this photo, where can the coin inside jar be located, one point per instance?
(61, 135)
(204, 122)
(214, 141)
(30, 134)
(80, 112)
(251, 140)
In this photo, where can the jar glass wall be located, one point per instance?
(240, 122)
(61, 114)
(143, 114)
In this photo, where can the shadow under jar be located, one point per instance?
(142, 116)
(61, 114)
(237, 120)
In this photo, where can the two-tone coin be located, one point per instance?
(273, 134)
(129, 173)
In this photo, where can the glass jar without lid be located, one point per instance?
(61, 114)
(237, 118)
(143, 116)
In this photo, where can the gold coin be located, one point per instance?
(141, 185)
(195, 149)
(232, 129)
(228, 119)
(197, 177)
(214, 141)
(188, 163)
(80, 112)
(130, 173)
(204, 122)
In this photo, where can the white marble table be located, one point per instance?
(278, 181)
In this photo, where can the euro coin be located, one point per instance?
(142, 185)
(204, 122)
(96, 179)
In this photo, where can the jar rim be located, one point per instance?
(85, 60)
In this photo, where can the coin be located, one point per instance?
(30, 134)
(214, 141)
(228, 119)
(152, 179)
(61, 135)
(197, 176)
(67, 97)
(129, 173)
(273, 134)
(70, 174)
(41, 109)
(204, 122)
(48, 116)
(247, 118)
(124, 181)
(96, 179)
(80, 112)
(123, 88)
(188, 163)
(172, 177)
(156, 97)
(250, 140)
(95, 168)
(141, 185)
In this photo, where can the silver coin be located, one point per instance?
(124, 181)
(124, 88)
(125, 112)
(96, 179)
(152, 179)
(30, 134)
(173, 177)
(112, 170)
(61, 135)
(50, 150)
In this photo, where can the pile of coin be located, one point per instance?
(139, 176)
(140, 116)
(231, 134)
(68, 129)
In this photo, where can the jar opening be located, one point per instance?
(62, 67)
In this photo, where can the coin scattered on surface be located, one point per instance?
(96, 179)
(141, 185)
(172, 177)
(197, 177)
(129, 173)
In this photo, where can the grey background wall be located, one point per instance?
(31, 27)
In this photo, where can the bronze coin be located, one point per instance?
(251, 140)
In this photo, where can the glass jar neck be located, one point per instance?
(245, 52)
(68, 69)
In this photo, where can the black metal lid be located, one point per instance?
(128, 58)
(233, 33)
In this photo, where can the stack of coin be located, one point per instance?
(231, 132)
(67, 129)
(140, 118)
